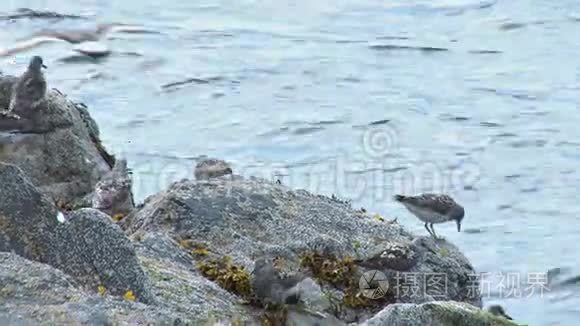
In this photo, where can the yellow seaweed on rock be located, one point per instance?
(129, 296)
(341, 273)
(192, 247)
(226, 274)
(378, 217)
(118, 217)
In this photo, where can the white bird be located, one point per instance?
(79, 37)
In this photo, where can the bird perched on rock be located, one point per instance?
(211, 168)
(28, 91)
(433, 209)
(498, 310)
(270, 287)
(113, 194)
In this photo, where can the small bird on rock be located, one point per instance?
(498, 310)
(270, 287)
(433, 209)
(28, 91)
(113, 192)
(211, 168)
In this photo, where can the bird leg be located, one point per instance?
(428, 230)
(434, 234)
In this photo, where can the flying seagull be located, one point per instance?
(85, 41)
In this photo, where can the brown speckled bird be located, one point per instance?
(211, 168)
(270, 287)
(113, 192)
(433, 209)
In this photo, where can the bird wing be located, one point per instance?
(35, 87)
(68, 35)
(438, 203)
(27, 44)
(91, 48)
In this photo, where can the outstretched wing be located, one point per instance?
(27, 44)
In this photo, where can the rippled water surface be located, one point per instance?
(362, 99)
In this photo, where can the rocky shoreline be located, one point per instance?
(185, 255)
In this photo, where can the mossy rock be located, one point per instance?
(438, 313)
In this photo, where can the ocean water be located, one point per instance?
(362, 99)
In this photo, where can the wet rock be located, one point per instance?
(86, 246)
(441, 313)
(251, 218)
(55, 148)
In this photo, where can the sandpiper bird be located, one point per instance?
(28, 91)
(270, 287)
(498, 310)
(112, 193)
(85, 40)
(211, 168)
(433, 209)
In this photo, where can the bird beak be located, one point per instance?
(458, 226)
(43, 66)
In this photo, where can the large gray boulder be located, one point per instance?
(251, 218)
(86, 246)
(33, 293)
(58, 148)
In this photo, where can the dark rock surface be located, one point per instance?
(56, 148)
(33, 293)
(87, 246)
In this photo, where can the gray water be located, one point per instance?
(352, 98)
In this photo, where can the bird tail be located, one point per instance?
(400, 198)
